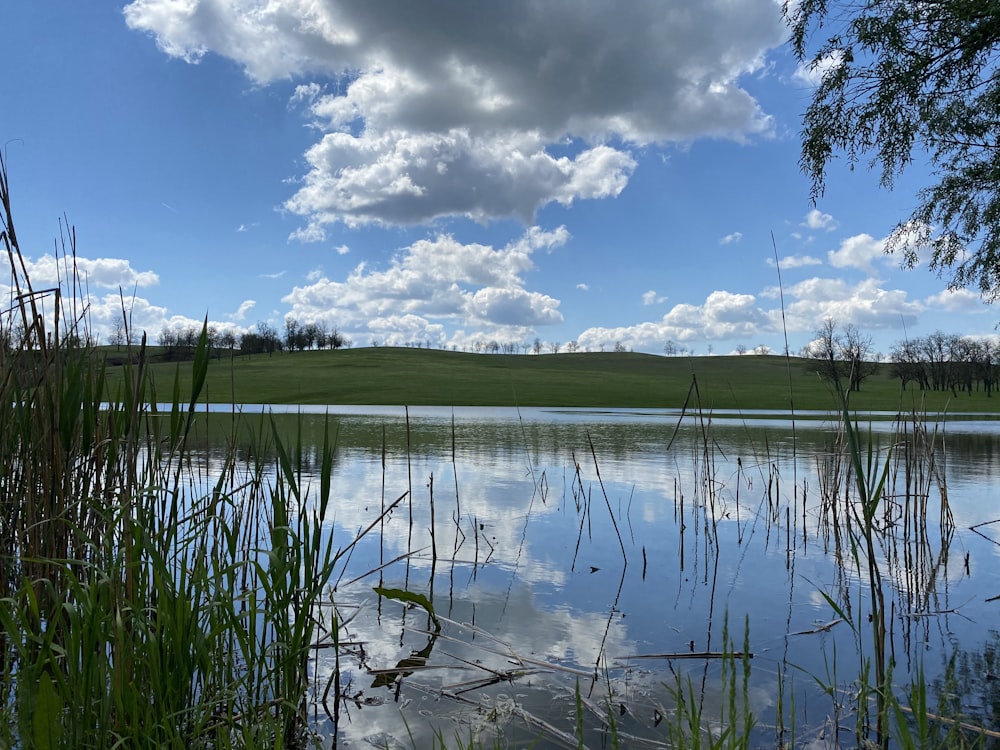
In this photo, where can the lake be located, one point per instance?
(623, 553)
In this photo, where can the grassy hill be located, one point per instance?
(387, 375)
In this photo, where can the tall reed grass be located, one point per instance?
(875, 509)
(141, 604)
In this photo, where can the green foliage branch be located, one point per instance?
(901, 80)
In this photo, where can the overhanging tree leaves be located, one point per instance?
(901, 79)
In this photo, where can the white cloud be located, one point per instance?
(400, 178)
(140, 312)
(512, 307)
(816, 219)
(796, 261)
(305, 94)
(958, 300)
(342, 249)
(108, 273)
(723, 315)
(857, 252)
(103, 313)
(583, 287)
(726, 316)
(437, 280)
(732, 238)
(87, 303)
(241, 313)
(401, 330)
(652, 298)
(865, 304)
(916, 238)
(459, 109)
(861, 250)
(812, 74)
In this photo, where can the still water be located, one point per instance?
(610, 550)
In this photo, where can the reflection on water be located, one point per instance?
(599, 549)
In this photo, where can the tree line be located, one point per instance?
(941, 362)
(936, 362)
(180, 343)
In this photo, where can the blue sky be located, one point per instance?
(450, 173)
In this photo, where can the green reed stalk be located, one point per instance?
(142, 603)
(688, 726)
(870, 483)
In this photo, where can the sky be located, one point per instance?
(449, 174)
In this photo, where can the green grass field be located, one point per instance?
(387, 375)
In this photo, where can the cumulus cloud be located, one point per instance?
(583, 287)
(459, 109)
(141, 313)
(816, 219)
(304, 94)
(241, 313)
(402, 330)
(857, 252)
(109, 273)
(103, 292)
(732, 238)
(958, 300)
(812, 73)
(652, 298)
(865, 304)
(796, 261)
(404, 178)
(512, 307)
(723, 315)
(726, 316)
(105, 312)
(436, 280)
(916, 238)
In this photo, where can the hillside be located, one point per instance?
(387, 375)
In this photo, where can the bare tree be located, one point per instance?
(336, 340)
(269, 337)
(908, 365)
(856, 351)
(988, 365)
(936, 352)
(118, 333)
(943, 361)
(844, 356)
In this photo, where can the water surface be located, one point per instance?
(600, 548)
